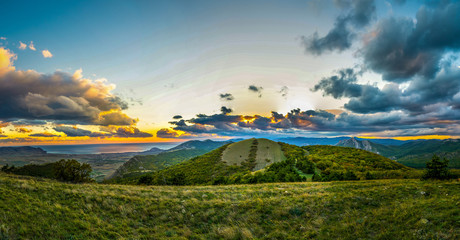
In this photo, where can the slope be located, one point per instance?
(412, 154)
(240, 162)
(138, 165)
(33, 208)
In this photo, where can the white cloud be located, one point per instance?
(22, 45)
(31, 46)
(47, 54)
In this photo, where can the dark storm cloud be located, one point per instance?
(59, 97)
(26, 122)
(420, 93)
(226, 110)
(397, 123)
(256, 89)
(341, 85)
(341, 36)
(400, 49)
(422, 53)
(166, 133)
(226, 97)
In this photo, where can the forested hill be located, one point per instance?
(262, 160)
(413, 154)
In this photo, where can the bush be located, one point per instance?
(437, 169)
(72, 171)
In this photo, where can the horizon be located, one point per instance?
(80, 73)
(223, 140)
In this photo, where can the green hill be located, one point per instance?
(247, 161)
(262, 160)
(142, 164)
(34, 208)
(342, 163)
(412, 154)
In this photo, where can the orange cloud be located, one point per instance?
(31, 46)
(22, 46)
(6, 61)
(23, 130)
(47, 54)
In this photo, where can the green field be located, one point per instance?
(33, 208)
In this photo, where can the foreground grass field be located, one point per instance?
(32, 208)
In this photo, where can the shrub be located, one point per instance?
(437, 169)
(72, 171)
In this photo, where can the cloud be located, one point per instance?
(416, 98)
(226, 110)
(418, 63)
(167, 133)
(341, 85)
(23, 130)
(32, 47)
(6, 61)
(284, 91)
(22, 45)
(47, 54)
(130, 132)
(226, 97)
(295, 122)
(58, 97)
(401, 48)
(43, 135)
(177, 117)
(256, 89)
(115, 118)
(341, 36)
(77, 132)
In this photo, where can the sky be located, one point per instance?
(79, 72)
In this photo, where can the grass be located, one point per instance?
(34, 208)
(268, 152)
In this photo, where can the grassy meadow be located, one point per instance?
(36, 208)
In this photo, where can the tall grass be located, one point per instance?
(34, 208)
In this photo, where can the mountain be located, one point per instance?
(141, 164)
(352, 142)
(21, 151)
(152, 151)
(304, 141)
(387, 141)
(207, 145)
(414, 153)
(263, 160)
(369, 145)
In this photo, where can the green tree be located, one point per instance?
(437, 169)
(72, 171)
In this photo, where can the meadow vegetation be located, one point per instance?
(37, 208)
